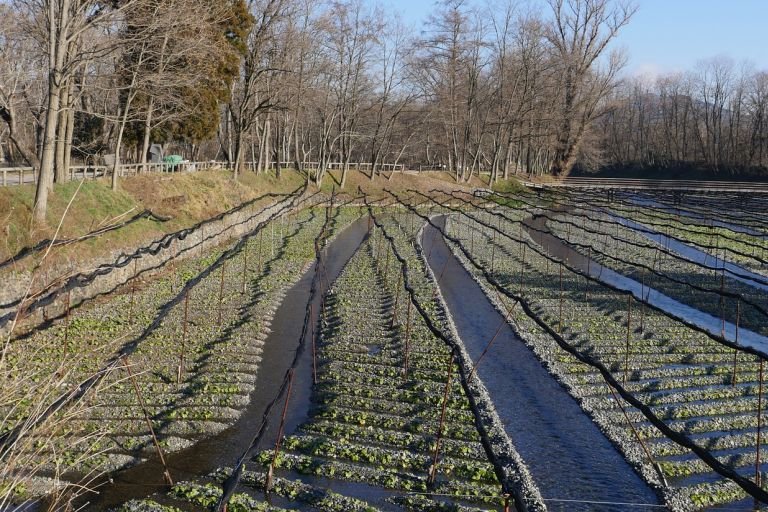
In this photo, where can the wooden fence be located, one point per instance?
(27, 175)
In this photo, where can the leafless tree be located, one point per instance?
(580, 32)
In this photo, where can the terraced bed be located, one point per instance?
(195, 337)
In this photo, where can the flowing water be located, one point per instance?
(574, 465)
(575, 259)
(280, 346)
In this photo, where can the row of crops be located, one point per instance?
(397, 421)
(692, 382)
(158, 365)
(394, 424)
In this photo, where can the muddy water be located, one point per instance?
(570, 460)
(279, 348)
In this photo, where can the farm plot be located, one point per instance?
(627, 251)
(729, 231)
(191, 340)
(685, 378)
(391, 425)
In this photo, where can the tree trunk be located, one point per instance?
(69, 133)
(147, 133)
(238, 154)
(45, 176)
(60, 172)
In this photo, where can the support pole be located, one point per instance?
(407, 338)
(446, 391)
(66, 323)
(280, 431)
(221, 290)
(758, 476)
(560, 321)
(629, 329)
(735, 351)
(397, 299)
(183, 338)
(314, 344)
(245, 268)
(133, 292)
(143, 406)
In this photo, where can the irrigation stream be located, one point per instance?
(712, 324)
(735, 271)
(568, 457)
(223, 449)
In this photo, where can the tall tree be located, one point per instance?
(579, 33)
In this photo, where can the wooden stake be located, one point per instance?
(221, 289)
(397, 299)
(314, 344)
(143, 406)
(183, 338)
(66, 323)
(560, 322)
(493, 252)
(758, 476)
(133, 292)
(735, 351)
(261, 241)
(407, 338)
(629, 327)
(446, 391)
(245, 268)
(280, 431)
(642, 301)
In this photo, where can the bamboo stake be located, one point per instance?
(261, 241)
(722, 303)
(640, 440)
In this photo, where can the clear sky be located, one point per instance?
(671, 35)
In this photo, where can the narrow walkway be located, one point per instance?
(568, 457)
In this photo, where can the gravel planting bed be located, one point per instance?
(684, 376)
(195, 336)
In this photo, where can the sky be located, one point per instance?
(671, 35)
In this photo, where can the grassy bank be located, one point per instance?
(185, 199)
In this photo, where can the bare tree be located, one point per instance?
(579, 34)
